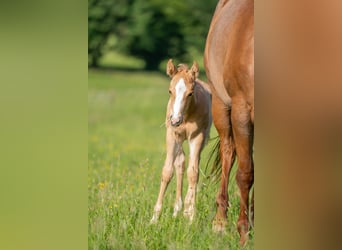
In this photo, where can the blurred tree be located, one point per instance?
(105, 17)
(198, 16)
(152, 30)
(153, 35)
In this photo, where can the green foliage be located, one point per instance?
(197, 20)
(105, 18)
(153, 35)
(152, 30)
(126, 153)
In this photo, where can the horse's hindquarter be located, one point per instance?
(229, 54)
(229, 62)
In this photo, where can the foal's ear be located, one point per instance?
(171, 69)
(194, 70)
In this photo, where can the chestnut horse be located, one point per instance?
(229, 63)
(188, 117)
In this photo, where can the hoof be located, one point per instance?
(175, 214)
(189, 215)
(244, 233)
(154, 219)
(219, 225)
(243, 239)
(176, 210)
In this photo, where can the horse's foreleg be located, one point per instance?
(243, 136)
(196, 145)
(179, 165)
(166, 175)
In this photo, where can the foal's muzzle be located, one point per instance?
(176, 121)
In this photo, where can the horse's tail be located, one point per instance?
(214, 162)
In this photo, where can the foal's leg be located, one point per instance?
(221, 117)
(196, 145)
(179, 165)
(243, 136)
(172, 147)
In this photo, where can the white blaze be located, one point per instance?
(180, 90)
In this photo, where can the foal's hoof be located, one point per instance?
(154, 219)
(219, 225)
(176, 210)
(189, 216)
(175, 214)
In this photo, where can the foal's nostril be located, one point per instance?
(175, 121)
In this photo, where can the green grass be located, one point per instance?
(126, 155)
(113, 58)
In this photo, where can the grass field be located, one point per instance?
(126, 151)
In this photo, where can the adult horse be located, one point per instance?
(229, 63)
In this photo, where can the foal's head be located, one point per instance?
(181, 89)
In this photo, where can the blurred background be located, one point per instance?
(139, 34)
(45, 169)
(129, 43)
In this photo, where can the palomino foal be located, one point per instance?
(188, 117)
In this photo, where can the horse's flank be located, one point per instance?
(230, 50)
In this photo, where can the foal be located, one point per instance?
(188, 117)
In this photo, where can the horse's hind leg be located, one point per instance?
(221, 117)
(252, 208)
(243, 137)
(179, 165)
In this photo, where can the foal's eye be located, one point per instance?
(190, 94)
(170, 92)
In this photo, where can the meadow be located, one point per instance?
(126, 151)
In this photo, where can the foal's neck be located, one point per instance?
(193, 102)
